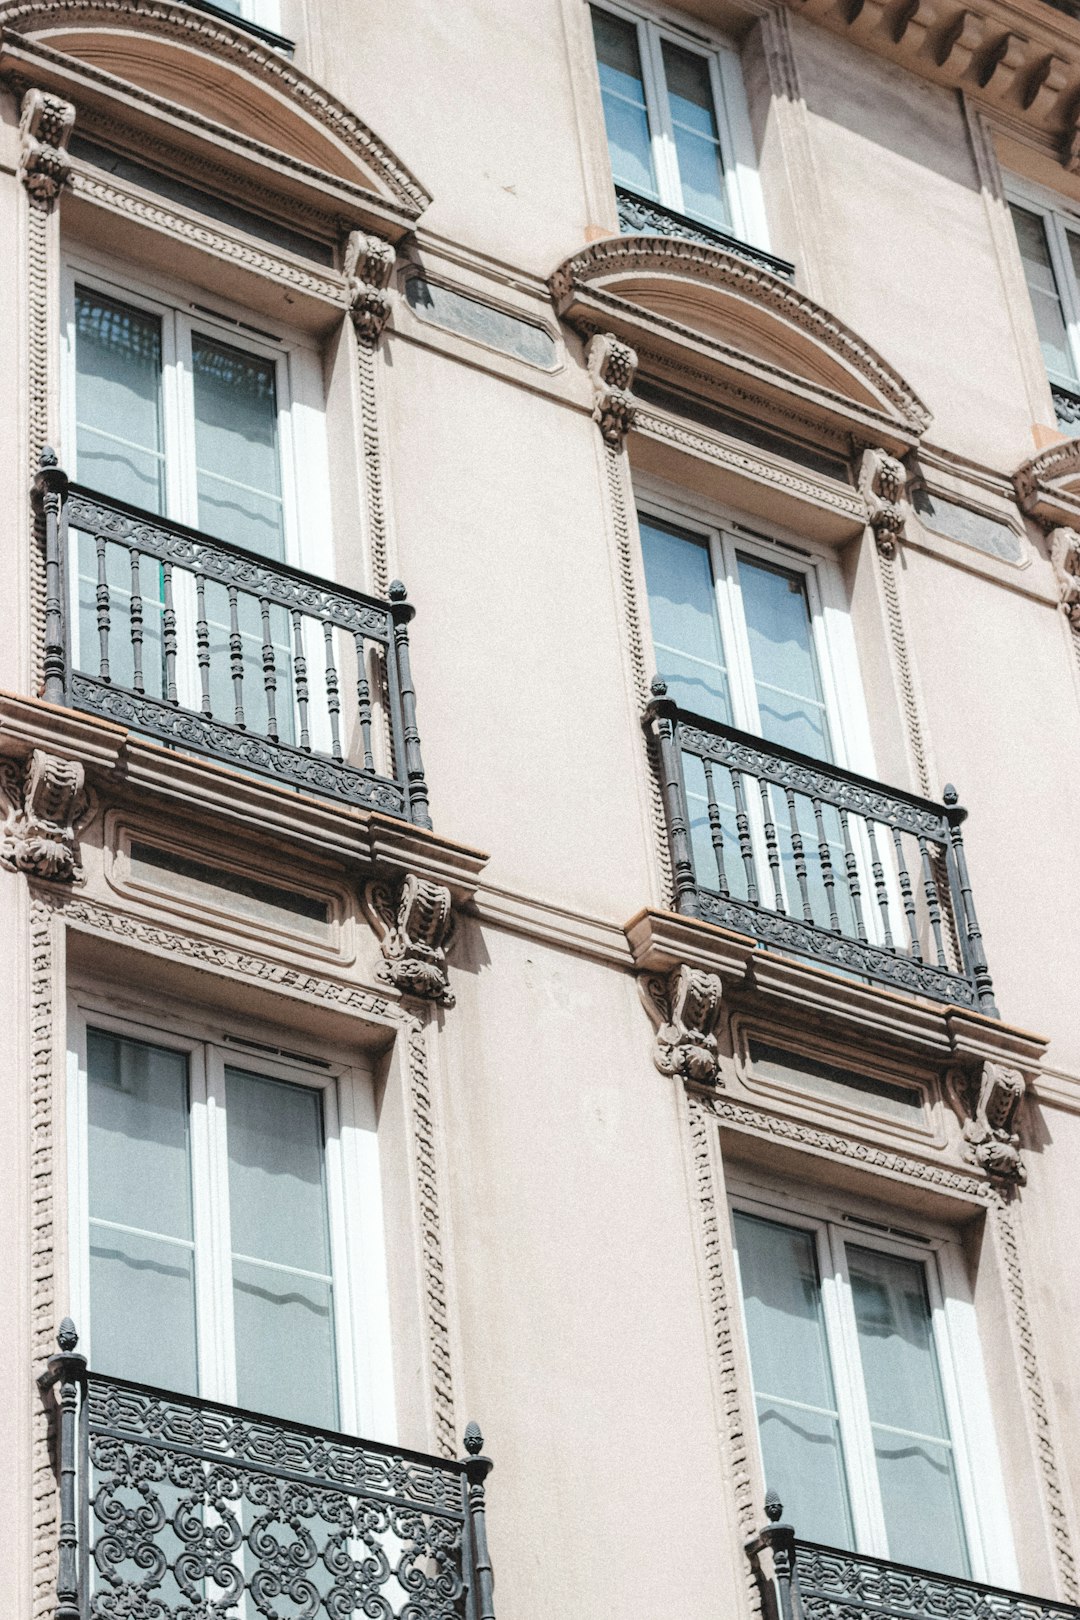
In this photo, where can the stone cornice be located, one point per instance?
(1021, 57)
(121, 764)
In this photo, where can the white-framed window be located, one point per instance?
(678, 127)
(226, 1220)
(872, 1408)
(266, 13)
(1048, 237)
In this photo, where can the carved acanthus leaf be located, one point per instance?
(612, 365)
(415, 925)
(882, 481)
(45, 797)
(684, 1004)
(1065, 557)
(988, 1104)
(369, 263)
(44, 131)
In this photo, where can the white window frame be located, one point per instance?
(980, 1482)
(357, 1237)
(741, 179)
(302, 440)
(267, 13)
(1057, 219)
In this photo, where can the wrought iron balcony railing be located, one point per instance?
(640, 216)
(173, 1508)
(1066, 406)
(816, 861)
(209, 647)
(811, 1582)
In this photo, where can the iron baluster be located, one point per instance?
(136, 625)
(300, 685)
(202, 644)
(975, 952)
(799, 854)
(101, 602)
(825, 858)
(742, 827)
(907, 895)
(477, 1469)
(363, 701)
(852, 868)
(662, 714)
(168, 626)
(402, 611)
(772, 848)
(879, 883)
(65, 1375)
(333, 694)
(269, 666)
(236, 659)
(716, 828)
(933, 906)
(50, 487)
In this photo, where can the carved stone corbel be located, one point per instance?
(684, 1004)
(369, 263)
(882, 481)
(45, 798)
(988, 1103)
(44, 131)
(1065, 558)
(415, 925)
(612, 365)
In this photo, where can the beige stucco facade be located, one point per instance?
(558, 1248)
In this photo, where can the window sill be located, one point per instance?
(640, 216)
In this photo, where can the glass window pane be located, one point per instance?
(786, 676)
(622, 92)
(119, 447)
(686, 630)
(697, 142)
(139, 1193)
(792, 1375)
(280, 1234)
(1045, 300)
(916, 1468)
(238, 463)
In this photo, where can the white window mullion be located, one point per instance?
(746, 200)
(1065, 277)
(665, 160)
(866, 1505)
(215, 1250)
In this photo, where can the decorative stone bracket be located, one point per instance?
(684, 1004)
(415, 925)
(882, 481)
(612, 365)
(988, 1103)
(45, 797)
(44, 131)
(1065, 558)
(369, 263)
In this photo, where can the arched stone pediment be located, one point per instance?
(749, 339)
(217, 79)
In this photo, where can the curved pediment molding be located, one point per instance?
(211, 76)
(752, 338)
(1048, 486)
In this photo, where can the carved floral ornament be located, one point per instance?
(414, 922)
(44, 131)
(988, 1104)
(882, 480)
(685, 1006)
(44, 799)
(1048, 490)
(612, 365)
(369, 264)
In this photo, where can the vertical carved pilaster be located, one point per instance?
(369, 263)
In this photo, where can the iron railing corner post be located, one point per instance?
(65, 1377)
(779, 1538)
(49, 490)
(973, 947)
(482, 1580)
(662, 717)
(402, 612)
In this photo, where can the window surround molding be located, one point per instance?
(742, 182)
(363, 1343)
(970, 1419)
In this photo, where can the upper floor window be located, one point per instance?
(855, 1341)
(676, 121)
(1049, 243)
(226, 1227)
